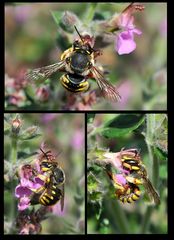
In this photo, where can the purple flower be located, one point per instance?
(28, 183)
(124, 41)
(120, 179)
(78, 140)
(23, 203)
(22, 191)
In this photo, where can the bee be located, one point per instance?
(78, 63)
(137, 173)
(127, 192)
(53, 189)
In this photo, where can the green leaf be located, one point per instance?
(96, 196)
(90, 117)
(121, 125)
(30, 133)
(57, 15)
(161, 132)
(26, 155)
(93, 183)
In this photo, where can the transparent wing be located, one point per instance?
(151, 191)
(44, 72)
(62, 198)
(107, 89)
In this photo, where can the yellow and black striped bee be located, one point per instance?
(137, 175)
(53, 189)
(78, 63)
(126, 193)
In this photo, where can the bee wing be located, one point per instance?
(44, 72)
(62, 198)
(107, 89)
(153, 194)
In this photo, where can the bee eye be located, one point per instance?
(76, 44)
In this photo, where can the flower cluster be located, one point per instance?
(28, 222)
(30, 181)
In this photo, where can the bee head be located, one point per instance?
(46, 166)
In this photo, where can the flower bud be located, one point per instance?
(42, 94)
(16, 125)
(68, 21)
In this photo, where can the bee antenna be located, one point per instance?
(78, 33)
(44, 153)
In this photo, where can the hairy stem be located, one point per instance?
(90, 13)
(13, 158)
(153, 164)
(14, 150)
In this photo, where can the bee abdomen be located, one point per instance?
(50, 196)
(130, 196)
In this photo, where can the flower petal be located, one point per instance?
(20, 191)
(23, 203)
(121, 179)
(125, 43)
(137, 31)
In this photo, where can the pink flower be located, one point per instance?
(23, 203)
(78, 140)
(124, 41)
(120, 179)
(42, 94)
(25, 189)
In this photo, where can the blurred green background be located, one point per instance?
(141, 78)
(106, 214)
(64, 134)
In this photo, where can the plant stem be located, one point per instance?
(14, 150)
(90, 13)
(153, 163)
(117, 217)
(12, 186)
(149, 140)
(146, 221)
(149, 135)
